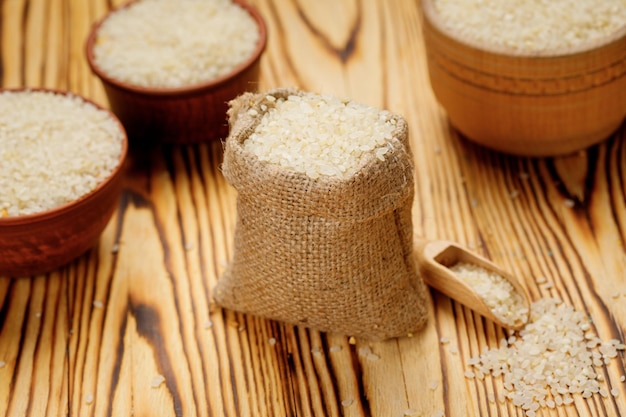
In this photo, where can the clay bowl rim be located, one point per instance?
(429, 13)
(65, 208)
(191, 89)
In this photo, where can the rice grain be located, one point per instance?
(532, 25)
(54, 149)
(547, 364)
(173, 43)
(321, 135)
(498, 293)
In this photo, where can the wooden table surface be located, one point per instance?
(95, 337)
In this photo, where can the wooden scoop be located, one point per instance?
(434, 258)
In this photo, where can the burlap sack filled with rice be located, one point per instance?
(323, 235)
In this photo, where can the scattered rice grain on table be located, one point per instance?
(173, 43)
(157, 381)
(321, 135)
(549, 362)
(532, 25)
(54, 149)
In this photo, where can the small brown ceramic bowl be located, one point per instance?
(185, 115)
(39, 243)
(533, 104)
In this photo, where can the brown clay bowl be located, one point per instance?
(540, 104)
(185, 115)
(38, 243)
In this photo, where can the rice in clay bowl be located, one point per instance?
(527, 77)
(169, 67)
(60, 180)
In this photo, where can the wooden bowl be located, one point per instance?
(540, 104)
(185, 115)
(42, 242)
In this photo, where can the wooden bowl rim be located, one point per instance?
(429, 13)
(69, 206)
(188, 89)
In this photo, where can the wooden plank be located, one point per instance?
(94, 338)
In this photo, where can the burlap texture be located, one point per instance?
(328, 254)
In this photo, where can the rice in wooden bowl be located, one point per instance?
(529, 77)
(169, 68)
(60, 178)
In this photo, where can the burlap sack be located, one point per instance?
(329, 254)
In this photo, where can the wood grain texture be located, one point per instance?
(94, 338)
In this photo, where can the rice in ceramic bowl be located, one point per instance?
(169, 67)
(60, 177)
